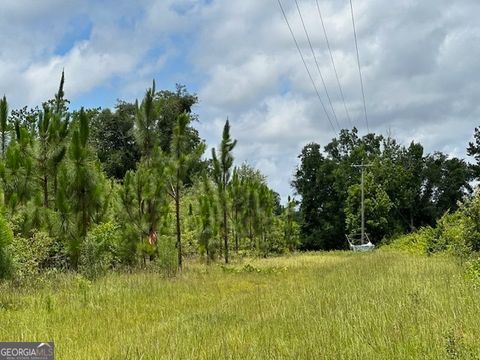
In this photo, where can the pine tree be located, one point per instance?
(146, 122)
(208, 218)
(17, 169)
(237, 196)
(144, 192)
(182, 158)
(144, 200)
(290, 226)
(266, 205)
(222, 166)
(80, 194)
(53, 126)
(474, 150)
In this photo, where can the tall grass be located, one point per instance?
(332, 306)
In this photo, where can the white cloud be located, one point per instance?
(419, 62)
(84, 69)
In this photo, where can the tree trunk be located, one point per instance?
(45, 191)
(3, 144)
(208, 253)
(55, 187)
(225, 234)
(179, 229)
(236, 231)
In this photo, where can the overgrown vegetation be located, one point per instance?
(96, 204)
(405, 189)
(329, 305)
(456, 233)
(93, 190)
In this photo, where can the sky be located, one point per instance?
(419, 62)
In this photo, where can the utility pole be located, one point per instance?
(362, 166)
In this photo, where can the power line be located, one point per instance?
(305, 64)
(359, 67)
(316, 63)
(333, 64)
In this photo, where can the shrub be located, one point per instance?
(414, 243)
(473, 271)
(472, 214)
(36, 253)
(456, 233)
(99, 251)
(6, 237)
(453, 233)
(167, 255)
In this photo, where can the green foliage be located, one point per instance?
(113, 138)
(53, 129)
(144, 201)
(145, 121)
(222, 171)
(82, 192)
(472, 272)
(377, 209)
(291, 228)
(37, 253)
(416, 243)
(167, 260)
(208, 220)
(306, 306)
(6, 238)
(456, 233)
(171, 105)
(474, 150)
(100, 250)
(408, 190)
(320, 184)
(181, 160)
(165, 197)
(3, 125)
(17, 170)
(56, 194)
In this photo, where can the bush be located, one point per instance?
(37, 253)
(167, 255)
(453, 233)
(6, 237)
(456, 233)
(473, 271)
(99, 252)
(415, 243)
(472, 213)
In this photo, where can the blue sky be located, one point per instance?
(419, 57)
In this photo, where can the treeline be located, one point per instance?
(405, 189)
(95, 189)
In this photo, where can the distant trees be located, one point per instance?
(112, 135)
(404, 188)
(321, 185)
(474, 151)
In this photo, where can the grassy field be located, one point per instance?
(332, 306)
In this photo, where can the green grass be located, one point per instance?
(332, 306)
